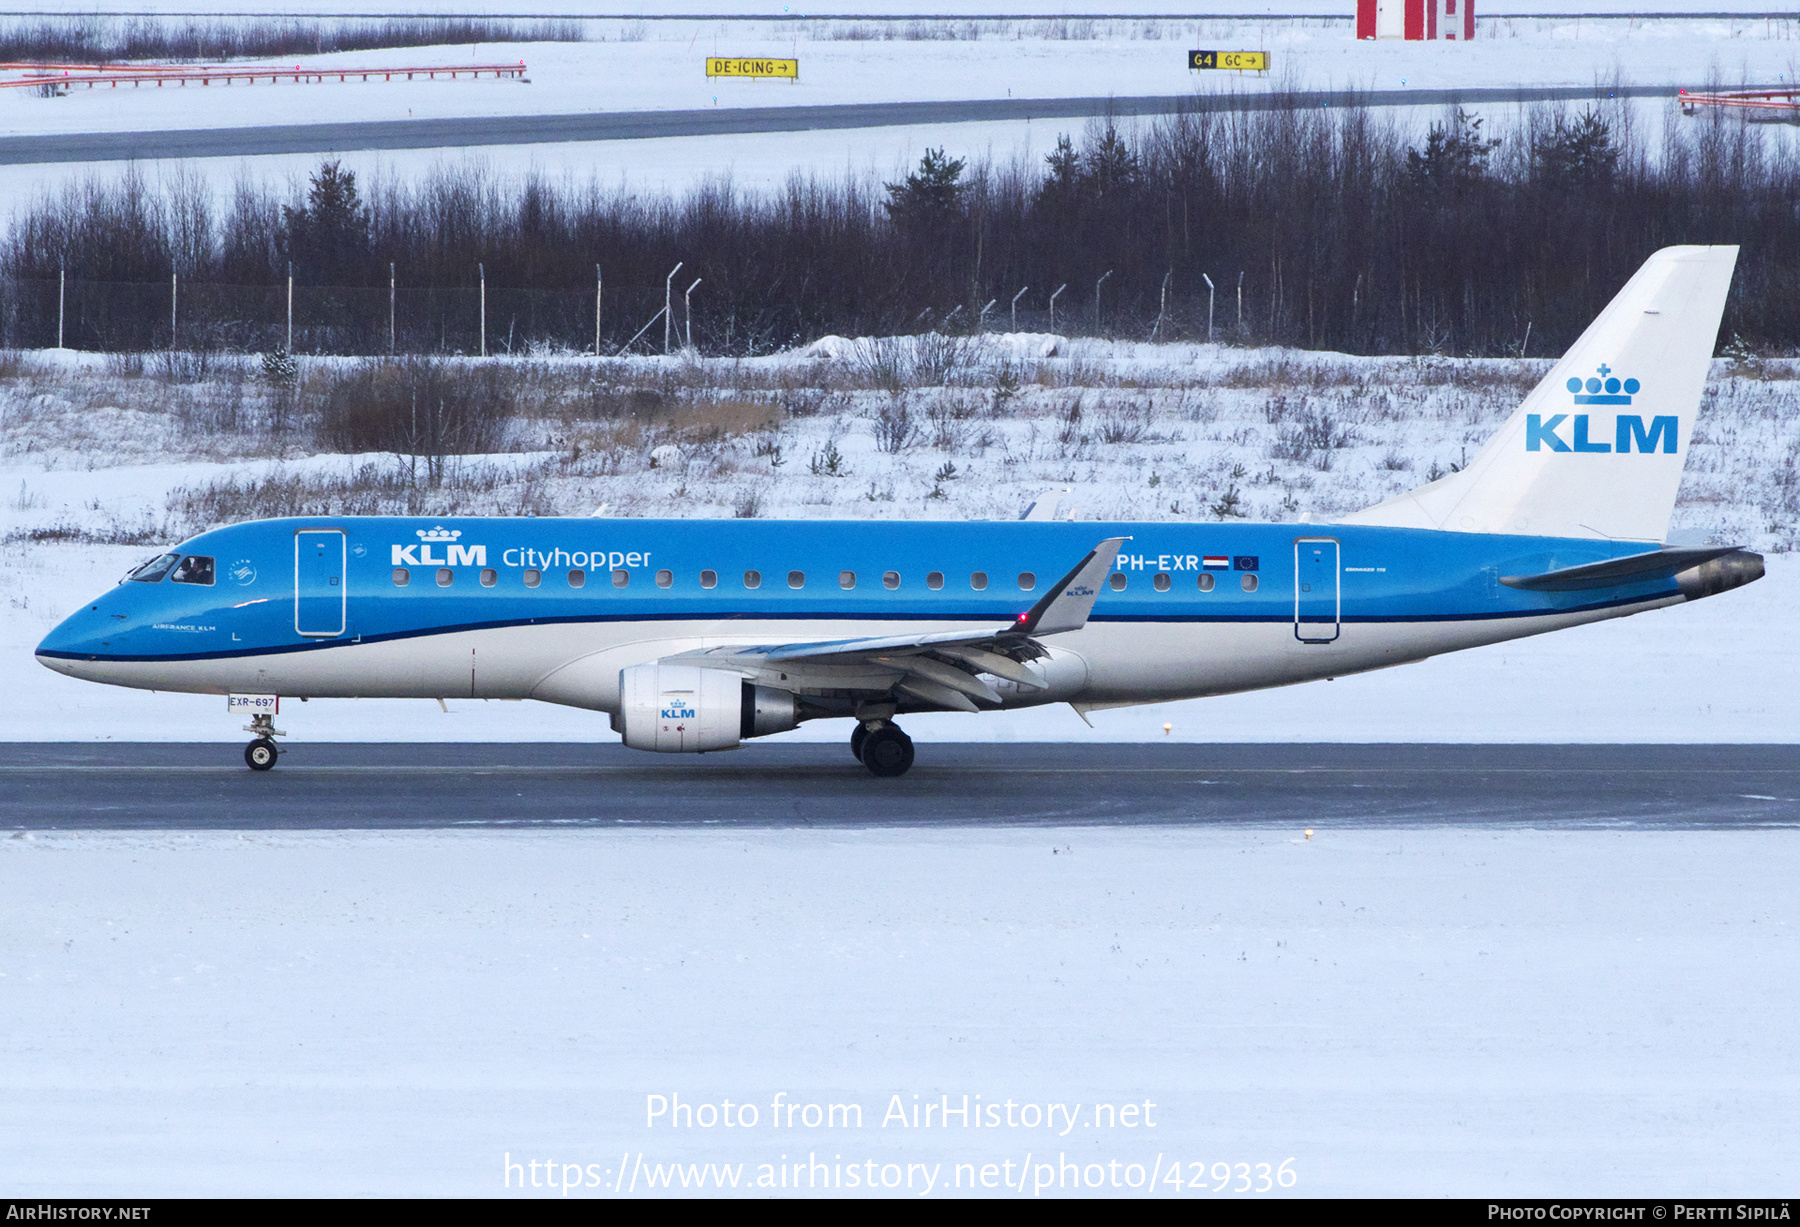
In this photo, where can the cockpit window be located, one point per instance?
(153, 571)
(194, 569)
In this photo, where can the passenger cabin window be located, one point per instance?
(533, 577)
(1206, 582)
(194, 569)
(621, 578)
(664, 578)
(445, 577)
(846, 580)
(796, 579)
(709, 579)
(402, 577)
(890, 580)
(577, 578)
(978, 581)
(1117, 581)
(1161, 582)
(489, 577)
(935, 580)
(752, 579)
(1027, 581)
(153, 571)
(1248, 582)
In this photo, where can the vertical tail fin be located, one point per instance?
(1598, 447)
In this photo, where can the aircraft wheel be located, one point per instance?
(887, 751)
(260, 754)
(858, 736)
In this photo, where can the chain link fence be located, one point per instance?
(128, 317)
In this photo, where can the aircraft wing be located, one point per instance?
(940, 667)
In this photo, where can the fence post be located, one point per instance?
(1240, 300)
(62, 283)
(687, 309)
(1209, 306)
(290, 308)
(1059, 290)
(390, 307)
(599, 291)
(1015, 309)
(1103, 277)
(481, 271)
(173, 279)
(668, 301)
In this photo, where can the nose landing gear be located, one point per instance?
(882, 748)
(260, 754)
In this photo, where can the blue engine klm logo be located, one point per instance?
(1629, 431)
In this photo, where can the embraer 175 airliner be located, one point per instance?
(694, 635)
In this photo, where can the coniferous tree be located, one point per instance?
(930, 193)
(327, 238)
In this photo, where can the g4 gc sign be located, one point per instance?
(1242, 61)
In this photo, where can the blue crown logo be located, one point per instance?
(1604, 390)
(440, 533)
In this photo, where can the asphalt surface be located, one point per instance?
(720, 121)
(111, 786)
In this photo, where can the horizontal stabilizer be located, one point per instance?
(1615, 571)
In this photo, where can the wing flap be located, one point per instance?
(933, 692)
(943, 675)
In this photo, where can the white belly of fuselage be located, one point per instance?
(577, 663)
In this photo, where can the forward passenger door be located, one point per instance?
(319, 582)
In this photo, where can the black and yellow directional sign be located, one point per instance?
(1242, 61)
(749, 66)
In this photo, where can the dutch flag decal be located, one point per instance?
(1216, 562)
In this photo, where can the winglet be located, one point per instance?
(1065, 607)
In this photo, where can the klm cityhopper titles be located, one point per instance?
(695, 635)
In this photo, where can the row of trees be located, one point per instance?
(1338, 228)
(94, 39)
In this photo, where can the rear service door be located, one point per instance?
(1315, 589)
(319, 582)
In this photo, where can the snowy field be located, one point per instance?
(1177, 432)
(657, 65)
(1428, 1012)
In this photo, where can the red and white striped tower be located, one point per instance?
(1415, 19)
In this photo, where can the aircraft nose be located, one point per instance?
(75, 637)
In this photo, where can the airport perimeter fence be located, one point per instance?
(128, 317)
(361, 321)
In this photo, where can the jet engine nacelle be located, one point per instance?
(685, 709)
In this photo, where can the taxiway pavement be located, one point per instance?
(113, 786)
(474, 131)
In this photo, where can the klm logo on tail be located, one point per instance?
(1605, 390)
(1629, 431)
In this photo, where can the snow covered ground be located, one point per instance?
(1428, 1012)
(852, 64)
(658, 66)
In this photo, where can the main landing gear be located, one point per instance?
(881, 747)
(260, 754)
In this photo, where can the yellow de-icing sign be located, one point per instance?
(743, 66)
(1242, 61)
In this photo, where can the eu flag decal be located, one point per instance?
(1244, 562)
